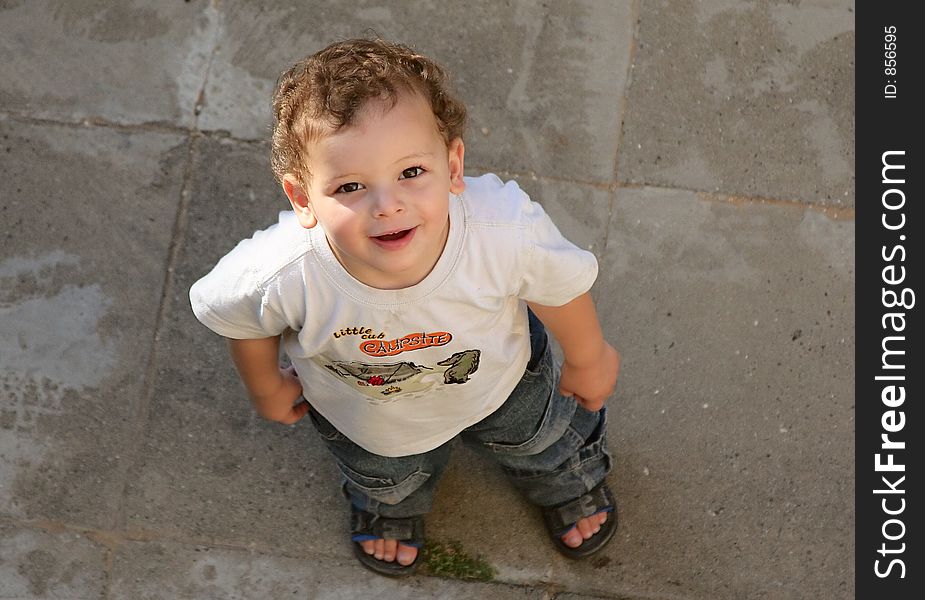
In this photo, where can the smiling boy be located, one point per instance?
(386, 222)
(400, 289)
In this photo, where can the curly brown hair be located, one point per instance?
(325, 92)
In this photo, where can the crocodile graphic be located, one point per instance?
(461, 365)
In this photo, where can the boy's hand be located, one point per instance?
(591, 383)
(273, 391)
(283, 406)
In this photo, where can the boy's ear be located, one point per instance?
(299, 201)
(457, 154)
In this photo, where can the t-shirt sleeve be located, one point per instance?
(233, 302)
(555, 271)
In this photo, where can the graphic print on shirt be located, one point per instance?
(383, 382)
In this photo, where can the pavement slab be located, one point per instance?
(733, 422)
(518, 71)
(86, 230)
(743, 98)
(42, 564)
(124, 62)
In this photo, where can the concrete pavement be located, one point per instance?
(703, 150)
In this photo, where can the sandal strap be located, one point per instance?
(410, 530)
(564, 516)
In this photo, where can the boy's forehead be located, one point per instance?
(406, 129)
(384, 104)
(405, 109)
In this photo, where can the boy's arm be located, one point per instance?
(273, 390)
(591, 365)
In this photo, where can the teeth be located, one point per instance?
(388, 237)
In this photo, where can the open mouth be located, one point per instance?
(391, 237)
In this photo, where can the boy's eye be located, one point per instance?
(411, 172)
(347, 188)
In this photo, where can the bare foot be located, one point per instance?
(583, 530)
(390, 550)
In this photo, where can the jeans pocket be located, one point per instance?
(383, 489)
(551, 428)
(593, 458)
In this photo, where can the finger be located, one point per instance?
(590, 405)
(295, 415)
(584, 402)
(301, 409)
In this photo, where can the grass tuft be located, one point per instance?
(448, 559)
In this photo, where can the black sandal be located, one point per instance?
(366, 526)
(562, 518)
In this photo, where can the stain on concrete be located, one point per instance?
(105, 21)
(36, 567)
(832, 244)
(712, 246)
(53, 337)
(753, 99)
(95, 170)
(52, 356)
(96, 59)
(43, 564)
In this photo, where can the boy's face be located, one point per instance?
(380, 190)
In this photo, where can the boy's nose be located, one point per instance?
(388, 204)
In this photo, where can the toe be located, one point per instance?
(585, 528)
(390, 549)
(572, 538)
(406, 554)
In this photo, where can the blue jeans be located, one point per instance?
(550, 448)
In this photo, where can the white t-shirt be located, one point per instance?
(402, 371)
